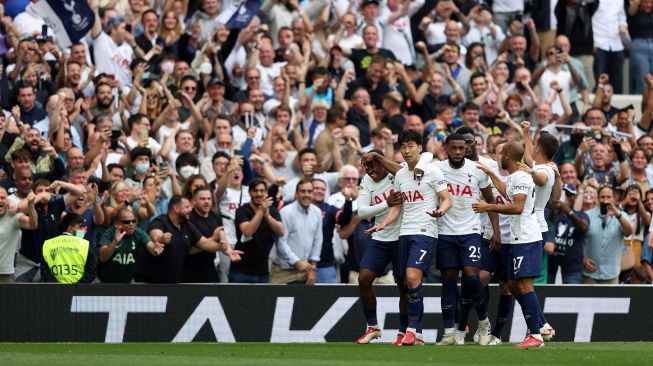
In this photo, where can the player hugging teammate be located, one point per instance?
(477, 214)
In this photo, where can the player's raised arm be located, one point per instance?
(365, 210)
(389, 165)
(516, 207)
(496, 180)
(539, 176)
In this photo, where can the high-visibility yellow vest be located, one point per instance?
(66, 257)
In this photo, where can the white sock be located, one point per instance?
(376, 326)
(537, 336)
(448, 331)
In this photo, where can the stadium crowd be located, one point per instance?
(181, 150)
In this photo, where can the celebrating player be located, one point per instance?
(375, 197)
(459, 242)
(419, 229)
(494, 262)
(525, 249)
(547, 184)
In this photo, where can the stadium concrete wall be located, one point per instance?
(286, 314)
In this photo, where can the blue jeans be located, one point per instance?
(28, 276)
(237, 277)
(325, 274)
(641, 63)
(569, 276)
(611, 63)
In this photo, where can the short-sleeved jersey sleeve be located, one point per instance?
(522, 184)
(436, 179)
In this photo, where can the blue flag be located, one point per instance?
(70, 20)
(241, 17)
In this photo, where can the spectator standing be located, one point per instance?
(120, 247)
(298, 250)
(567, 229)
(180, 237)
(639, 219)
(10, 225)
(200, 267)
(640, 24)
(258, 226)
(604, 241)
(609, 26)
(49, 208)
(575, 21)
(331, 215)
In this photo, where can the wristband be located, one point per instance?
(618, 216)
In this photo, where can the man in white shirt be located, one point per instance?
(608, 27)
(113, 55)
(506, 11)
(262, 58)
(419, 228)
(525, 251)
(397, 35)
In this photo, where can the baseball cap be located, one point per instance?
(115, 21)
(570, 188)
(368, 2)
(215, 81)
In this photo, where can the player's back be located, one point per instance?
(543, 194)
(464, 185)
(523, 227)
(420, 197)
(377, 193)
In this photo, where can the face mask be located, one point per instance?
(141, 168)
(188, 170)
(226, 151)
(79, 233)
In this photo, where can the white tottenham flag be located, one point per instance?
(70, 20)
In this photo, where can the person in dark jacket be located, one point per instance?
(331, 215)
(575, 21)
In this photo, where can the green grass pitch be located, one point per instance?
(243, 354)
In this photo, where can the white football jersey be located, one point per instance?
(464, 185)
(523, 227)
(542, 194)
(372, 198)
(504, 220)
(485, 219)
(420, 197)
(231, 200)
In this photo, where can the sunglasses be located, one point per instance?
(128, 222)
